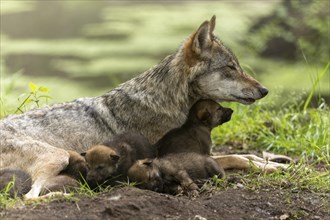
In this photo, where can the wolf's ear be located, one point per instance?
(212, 25)
(202, 40)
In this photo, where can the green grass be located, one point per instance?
(281, 128)
(282, 123)
(297, 177)
(5, 199)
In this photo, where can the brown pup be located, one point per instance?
(111, 160)
(167, 173)
(21, 181)
(195, 134)
(102, 162)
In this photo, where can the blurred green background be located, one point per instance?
(85, 48)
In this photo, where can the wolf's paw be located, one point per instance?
(248, 161)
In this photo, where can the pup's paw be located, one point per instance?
(193, 193)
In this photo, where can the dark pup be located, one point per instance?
(174, 172)
(60, 183)
(77, 168)
(110, 161)
(195, 134)
(21, 181)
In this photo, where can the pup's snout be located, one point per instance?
(227, 115)
(263, 91)
(228, 111)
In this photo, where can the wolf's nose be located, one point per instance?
(263, 91)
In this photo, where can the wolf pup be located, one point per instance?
(70, 178)
(167, 173)
(21, 181)
(195, 134)
(152, 103)
(110, 161)
(60, 183)
(102, 162)
(77, 167)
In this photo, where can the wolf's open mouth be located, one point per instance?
(245, 100)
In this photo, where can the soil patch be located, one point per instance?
(133, 203)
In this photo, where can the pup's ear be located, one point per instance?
(124, 148)
(203, 115)
(83, 154)
(114, 157)
(202, 40)
(147, 162)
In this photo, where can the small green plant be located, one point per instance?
(6, 199)
(214, 183)
(33, 98)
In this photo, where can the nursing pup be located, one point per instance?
(109, 162)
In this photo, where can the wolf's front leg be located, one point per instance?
(244, 162)
(46, 166)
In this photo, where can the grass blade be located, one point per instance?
(320, 75)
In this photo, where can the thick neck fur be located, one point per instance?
(163, 87)
(162, 93)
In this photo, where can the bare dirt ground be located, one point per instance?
(133, 203)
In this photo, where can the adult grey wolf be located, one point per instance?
(151, 103)
(195, 134)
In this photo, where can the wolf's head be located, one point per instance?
(214, 71)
